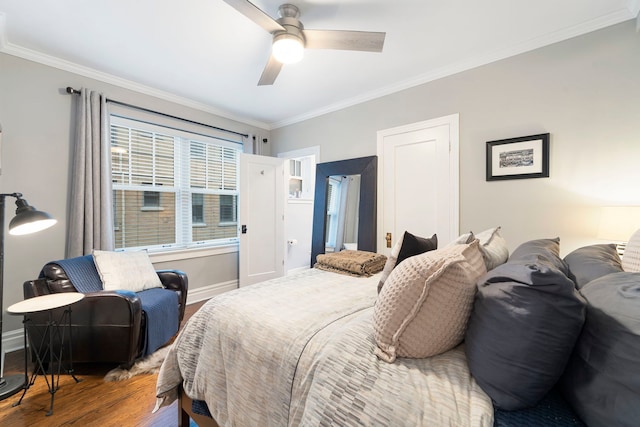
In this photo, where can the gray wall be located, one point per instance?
(584, 91)
(36, 118)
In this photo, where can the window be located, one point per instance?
(300, 181)
(333, 205)
(172, 189)
(228, 209)
(151, 199)
(302, 172)
(197, 208)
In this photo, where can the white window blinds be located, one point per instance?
(172, 189)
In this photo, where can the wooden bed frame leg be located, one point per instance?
(185, 414)
(183, 417)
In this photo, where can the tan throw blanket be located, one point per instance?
(353, 263)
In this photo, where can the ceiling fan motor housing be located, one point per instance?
(289, 20)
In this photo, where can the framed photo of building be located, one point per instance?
(518, 158)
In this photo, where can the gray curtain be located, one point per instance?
(91, 205)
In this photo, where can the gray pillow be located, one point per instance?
(602, 379)
(515, 348)
(591, 262)
(546, 251)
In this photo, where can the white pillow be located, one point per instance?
(493, 247)
(130, 271)
(463, 239)
(631, 257)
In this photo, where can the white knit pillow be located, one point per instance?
(425, 304)
(130, 271)
(493, 247)
(631, 257)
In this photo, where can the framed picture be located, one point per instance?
(518, 158)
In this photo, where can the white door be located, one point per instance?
(262, 202)
(418, 184)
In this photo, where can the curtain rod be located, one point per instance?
(72, 91)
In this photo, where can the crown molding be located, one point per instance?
(558, 36)
(632, 11)
(52, 61)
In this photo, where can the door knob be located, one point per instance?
(388, 239)
(244, 229)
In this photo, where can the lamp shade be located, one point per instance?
(618, 223)
(28, 219)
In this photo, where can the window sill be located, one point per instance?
(198, 225)
(181, 254)
(227, 224)
(300, 200)
(151, 209)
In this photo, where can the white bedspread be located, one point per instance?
(299, 351)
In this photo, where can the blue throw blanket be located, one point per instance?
(81, 272)
(160, 305)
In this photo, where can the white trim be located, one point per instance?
(13, 341)
(473, 62)
(302, 152)
(206, 292)
(61, 64)
(178, 255)
(300, 201)
(624, 14)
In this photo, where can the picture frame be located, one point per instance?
(518, 158)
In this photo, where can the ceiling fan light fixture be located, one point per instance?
(288, 48)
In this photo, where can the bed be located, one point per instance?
(424, 342)
(300, 350)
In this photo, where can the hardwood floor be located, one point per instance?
(91, 402)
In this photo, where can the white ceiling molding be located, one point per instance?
(61, 64)
(597, 24)
(227, 88)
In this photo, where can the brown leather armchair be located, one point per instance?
(106, 326)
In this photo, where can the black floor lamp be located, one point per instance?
(27, 220)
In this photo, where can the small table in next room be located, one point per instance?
(56, 332)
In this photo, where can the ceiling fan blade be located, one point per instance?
(252, 12)
(270, 72)
(344, 40)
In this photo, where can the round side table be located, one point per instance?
(55, 330)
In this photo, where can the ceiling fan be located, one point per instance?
(290, 38)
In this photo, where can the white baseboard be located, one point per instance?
(210, 291)
(14, 340)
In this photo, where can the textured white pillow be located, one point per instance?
(493, 247)
(130, 271)
(631, 257)
(424, 306)
(462, 239)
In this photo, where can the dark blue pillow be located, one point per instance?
(602, 379)
(591, 262)
(526, 318)
(413, 245)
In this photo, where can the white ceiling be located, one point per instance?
(205, 54)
